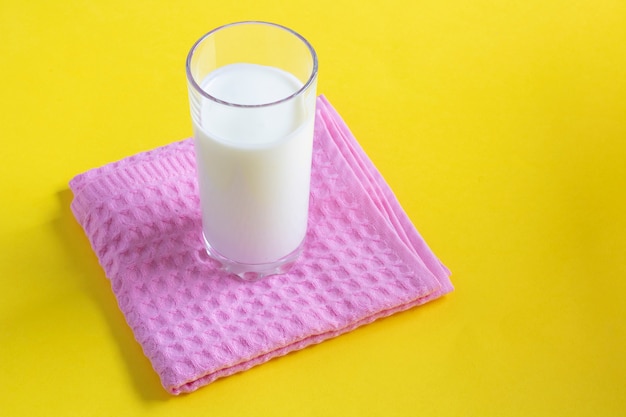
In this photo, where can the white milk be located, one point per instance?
(254, 164)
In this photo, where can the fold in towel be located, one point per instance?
(362, 260)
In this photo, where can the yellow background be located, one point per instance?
(500, 125)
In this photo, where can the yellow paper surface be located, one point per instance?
(500, 125)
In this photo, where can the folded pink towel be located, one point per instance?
(362, 260)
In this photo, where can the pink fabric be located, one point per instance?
(362, 260)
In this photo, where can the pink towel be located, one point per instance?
(362, 260)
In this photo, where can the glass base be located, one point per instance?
(254, 272)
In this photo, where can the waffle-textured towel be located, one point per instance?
(362, 260)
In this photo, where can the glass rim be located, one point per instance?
(196, 86)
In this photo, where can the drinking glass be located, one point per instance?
(252, 92)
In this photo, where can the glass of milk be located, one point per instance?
(252, 90)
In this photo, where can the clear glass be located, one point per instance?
(252, 90)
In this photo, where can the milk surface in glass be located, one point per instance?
(253, 163)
